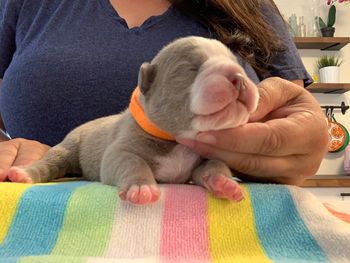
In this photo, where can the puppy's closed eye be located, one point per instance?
(194, 68)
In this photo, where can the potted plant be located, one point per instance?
(328, 68)
(327, 29)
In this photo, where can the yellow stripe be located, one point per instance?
(10, 195)
(232, 233)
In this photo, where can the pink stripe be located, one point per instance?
(185, 219)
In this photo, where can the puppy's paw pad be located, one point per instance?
(141, 194)
(224, 187)
(19, 175)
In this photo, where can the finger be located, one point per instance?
(279, 137)
(272, 96)
(275, 93)
(8, 153)
(29, 152)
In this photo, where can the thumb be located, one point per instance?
(274, 93)
(8, 153)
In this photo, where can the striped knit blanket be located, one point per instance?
(86, 222)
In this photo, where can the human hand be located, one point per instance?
(284, 140)
(19, 152)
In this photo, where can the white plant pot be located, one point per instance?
(329, 74)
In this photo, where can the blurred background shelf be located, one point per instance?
(322, 43)
(327, 181)
(332, 88)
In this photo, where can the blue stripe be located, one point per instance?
(282, 232)
(9, 260)
(38, 219)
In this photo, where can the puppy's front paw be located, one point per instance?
(140, 194)
(19, 175)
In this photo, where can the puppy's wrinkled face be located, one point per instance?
(196, 84)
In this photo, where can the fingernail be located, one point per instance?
(206, 138)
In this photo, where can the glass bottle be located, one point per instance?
(293, 25)
(302, 27)
(312, 21)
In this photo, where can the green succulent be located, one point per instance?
(328, 61)
(331, 18)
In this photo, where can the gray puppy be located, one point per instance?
(193, 85)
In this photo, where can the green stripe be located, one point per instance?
(52, 259)
(88, 221)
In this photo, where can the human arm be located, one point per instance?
(18, 152)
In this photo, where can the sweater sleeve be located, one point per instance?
(286, 64)
(9, 11)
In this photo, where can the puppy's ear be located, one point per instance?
(147, 74)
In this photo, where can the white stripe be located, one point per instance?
(136, 231)
(331, 233)
(122, 260)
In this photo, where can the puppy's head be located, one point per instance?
(195, 84)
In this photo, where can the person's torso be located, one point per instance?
(76, 61)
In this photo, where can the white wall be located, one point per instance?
(333, 162)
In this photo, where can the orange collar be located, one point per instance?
(143, 121)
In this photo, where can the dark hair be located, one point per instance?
(239, 24)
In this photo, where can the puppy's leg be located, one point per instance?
(55, 163)
(131, 174)
(217, 178)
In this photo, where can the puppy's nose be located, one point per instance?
(248, 92)
(238, 81)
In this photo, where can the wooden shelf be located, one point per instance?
(325, 43)
(327, 181)
(337, 177)
(330, 88)
(322, 43)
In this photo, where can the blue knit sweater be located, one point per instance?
(66, 62)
